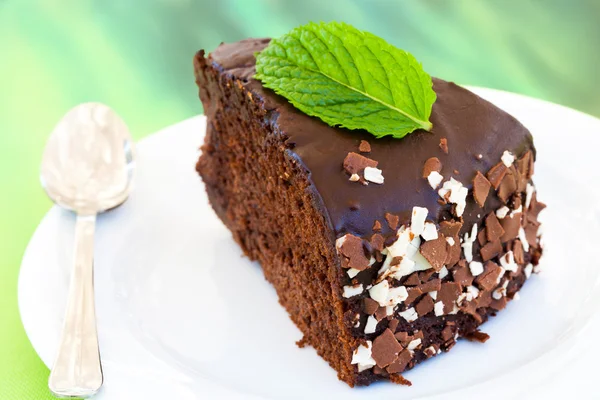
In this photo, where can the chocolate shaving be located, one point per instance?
(450, 228)
(385, 349)
(431, 285)
(370, 306)
(531, 234)
(521, 181)
(444, 145)
(482, 237)
(477, 336)
(396, 260)
(491, 250)
(453, 253)
(354, 163)
(413, 294)
(364, 147)
(424, 306)
(435, 252)
(511, 225)
(496, 174)
(525, 164)
(499, 304)
(430, 351)
(508, 186)
(393, 325)
(424, 276)
(353, 251)
(432, 164)
(462, 274)
(448, 294)
(380, 314)
(412, 280)
(536, 206)
(493, 228)
(470, 307)
(399, 365)
(481, 188)
(488, 279)
(402, 337)
(517, 249)
(392, 220)
(377, 242)
(485, 298)
(376, 226)
(516, 200)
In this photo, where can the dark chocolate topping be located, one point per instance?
(472, 125)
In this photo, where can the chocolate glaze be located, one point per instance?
(472, 126)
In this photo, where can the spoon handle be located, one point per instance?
(77, 371)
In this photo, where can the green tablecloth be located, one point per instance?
(136, 57)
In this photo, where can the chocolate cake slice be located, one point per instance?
(383, 251)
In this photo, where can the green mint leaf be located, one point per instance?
(348, 78)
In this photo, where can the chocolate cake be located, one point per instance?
(383, 251)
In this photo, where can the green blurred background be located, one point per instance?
(136, 57)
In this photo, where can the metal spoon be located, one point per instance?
(87, 167)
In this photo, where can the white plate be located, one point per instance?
(182, 315)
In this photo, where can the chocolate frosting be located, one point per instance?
(472, 126)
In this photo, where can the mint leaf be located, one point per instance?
(348, 78)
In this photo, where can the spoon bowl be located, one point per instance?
(88, 162)
(87, 167)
